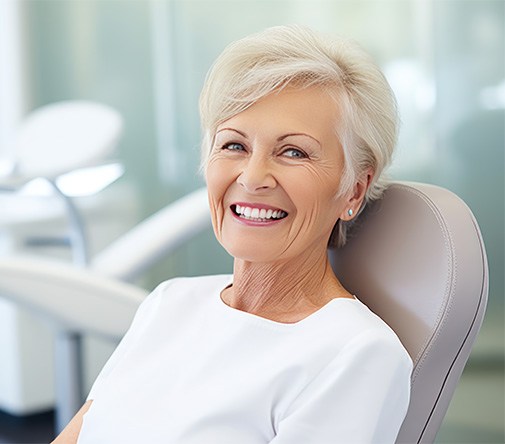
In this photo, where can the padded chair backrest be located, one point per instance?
(416, 258)
(155, 237)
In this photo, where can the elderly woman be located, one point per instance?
(297, 130)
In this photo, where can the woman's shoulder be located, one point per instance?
(359, 327)
(189, 285)
(185, 290)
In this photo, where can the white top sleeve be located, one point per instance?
(370, 380)
(130, 339)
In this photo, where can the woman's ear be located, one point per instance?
(356, 196)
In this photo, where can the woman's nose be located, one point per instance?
(256, 175)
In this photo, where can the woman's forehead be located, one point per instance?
(310, 110)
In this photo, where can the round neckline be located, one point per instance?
(270, 322)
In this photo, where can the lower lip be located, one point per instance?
(256, 223)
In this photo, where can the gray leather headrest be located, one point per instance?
(416, 258)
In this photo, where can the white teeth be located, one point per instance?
(256, 213)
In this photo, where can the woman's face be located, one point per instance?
(273, 177)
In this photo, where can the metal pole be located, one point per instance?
(69, 384)
(77, 233)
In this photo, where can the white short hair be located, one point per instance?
(255, 66)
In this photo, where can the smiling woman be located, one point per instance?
(282, 155)
(297, 130)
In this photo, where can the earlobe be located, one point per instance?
(348, 215)
(358, 195)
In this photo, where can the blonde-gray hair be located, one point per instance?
(255, 66)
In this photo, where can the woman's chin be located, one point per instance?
(253, 253)
(253, 258)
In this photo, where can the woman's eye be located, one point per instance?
(294, 153)
(233, 146)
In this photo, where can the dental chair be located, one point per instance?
(416, 258)
(59, 155)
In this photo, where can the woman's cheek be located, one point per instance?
(218, 182)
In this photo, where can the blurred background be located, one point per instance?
(445, 60)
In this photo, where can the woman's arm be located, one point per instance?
(70, 433)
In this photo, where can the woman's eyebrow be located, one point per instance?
(232, 129)
(298, 134)
(279, 139)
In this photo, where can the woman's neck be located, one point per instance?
(285, 291)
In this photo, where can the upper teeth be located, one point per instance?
(257, 213)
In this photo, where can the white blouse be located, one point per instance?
(192, 370)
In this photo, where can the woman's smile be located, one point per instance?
(257, 214)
